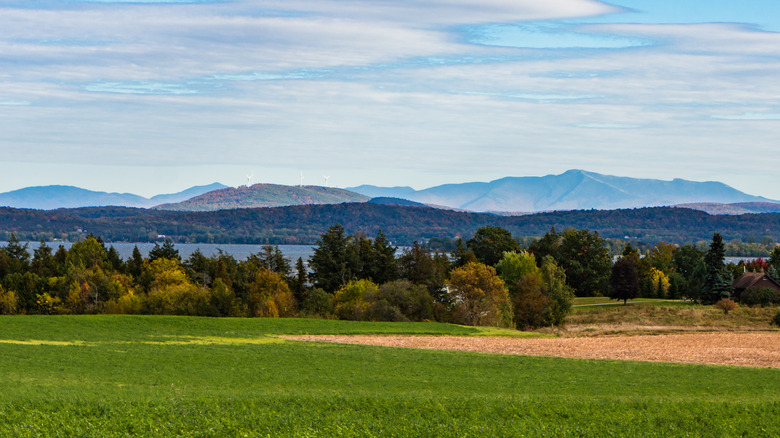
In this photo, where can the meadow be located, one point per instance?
(106, 375)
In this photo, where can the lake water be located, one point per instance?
(239, 252)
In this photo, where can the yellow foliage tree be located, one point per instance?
(660, 282)
(8, 302)
(349, 302)
(270, 296)
(480, 297)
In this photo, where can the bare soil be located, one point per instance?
(740, 349)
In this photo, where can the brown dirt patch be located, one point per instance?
(741, 349)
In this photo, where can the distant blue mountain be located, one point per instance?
(571, 190)
(395, 201)
(53, 197)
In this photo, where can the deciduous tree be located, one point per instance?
(490, 243)
(624, 280)
(480, 297)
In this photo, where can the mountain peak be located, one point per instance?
(574, 189)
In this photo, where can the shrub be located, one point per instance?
(184, 299)
(48, 305)
(127, 304)
(726, 305)
(317, 303)
(349, 301)
(399, 301)
(760, 296)
(776, 319)
(8, 302)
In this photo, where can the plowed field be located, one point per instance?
(742, 349)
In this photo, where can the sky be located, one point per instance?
(153, 97)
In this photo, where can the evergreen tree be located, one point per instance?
(774, 263)
(717, 282)
(200, 268)
(272, 258)
(331, 267)
(14, 257)
(462, 256)
(298, 283)
(114, 259)
(43, 261)
(166, 251)
(135, 264)
(382, 262)
(420, 267)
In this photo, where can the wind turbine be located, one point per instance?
(326, 180)
(301, 185)
(249, 179)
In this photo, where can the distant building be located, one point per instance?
(754, 279)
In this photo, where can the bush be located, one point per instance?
(317, 303)
(184, 299)
(349, 302)
(760, 296)
(127, 304)
(8, 302)
(399, 301)
(776, 319)
(726, 305)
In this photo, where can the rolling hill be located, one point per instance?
(57, 196)
(264, 195)
(572, 190)
(304, 224)
(737, 208)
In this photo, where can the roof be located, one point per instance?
(749, 279)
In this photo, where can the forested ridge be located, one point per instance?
(401, 224)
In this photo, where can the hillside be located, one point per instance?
(57, 196)
(737, 208)
(403, 225)
(572, 190)
(264, 195)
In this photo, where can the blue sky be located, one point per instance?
(153, 97)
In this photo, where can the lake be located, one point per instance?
(239, 252)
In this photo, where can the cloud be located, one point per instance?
(377, 85)
(607, 126)
(749, 116)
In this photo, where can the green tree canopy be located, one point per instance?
(490, 243)
(624, 280)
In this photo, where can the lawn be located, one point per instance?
(175, 376)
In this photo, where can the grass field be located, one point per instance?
(663, 317)
(607, 301)
(175, 376)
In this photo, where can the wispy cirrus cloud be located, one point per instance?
(476, 89)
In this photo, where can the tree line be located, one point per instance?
(489, 279)
(745, 235)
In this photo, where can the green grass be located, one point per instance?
(168, 376)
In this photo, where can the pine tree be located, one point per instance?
(717, 283)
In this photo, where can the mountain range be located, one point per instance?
(571, 190)
(264, 195)
(53, 197)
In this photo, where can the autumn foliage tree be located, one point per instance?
(480, 297)
(270, 296)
